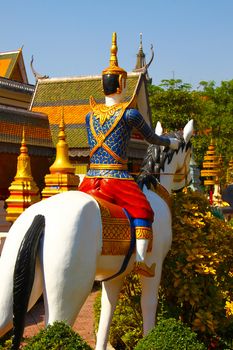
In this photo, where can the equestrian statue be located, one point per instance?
(109, 227)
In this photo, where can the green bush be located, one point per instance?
(5, 345)
(5, 341)
(196, 285)
(170, 334)
(197, 273)
(58, 336)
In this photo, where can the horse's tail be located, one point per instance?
(24, 276)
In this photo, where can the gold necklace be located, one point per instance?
(103, 112)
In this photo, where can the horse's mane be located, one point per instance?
(156, 158)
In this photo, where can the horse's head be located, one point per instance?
(167, 166)
(182, 175)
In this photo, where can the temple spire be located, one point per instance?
(210, 171)
(23, 190)
(62, 163)
(141, 65)
(141, 57)
(62, 173)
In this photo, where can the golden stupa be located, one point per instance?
(211, 166)
(23, 190)
(62, 173)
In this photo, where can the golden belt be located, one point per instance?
(109, 166)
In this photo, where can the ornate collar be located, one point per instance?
(103, 112)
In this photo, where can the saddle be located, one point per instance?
(117, 229)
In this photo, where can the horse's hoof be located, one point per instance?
(142, 269)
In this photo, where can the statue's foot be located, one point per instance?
(141, 268)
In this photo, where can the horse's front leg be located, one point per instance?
(110, 293)
(149, 299)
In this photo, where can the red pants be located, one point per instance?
(125, 193)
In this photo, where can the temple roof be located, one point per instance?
(12, 66)
(54, 96)
(37, 132)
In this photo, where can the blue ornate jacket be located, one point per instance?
(109, 130)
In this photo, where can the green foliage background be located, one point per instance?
(173, 103)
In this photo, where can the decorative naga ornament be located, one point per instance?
(211, 171)
(62, 173)
(23, 190)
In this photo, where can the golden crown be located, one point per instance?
(114, 68)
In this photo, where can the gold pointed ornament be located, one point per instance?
(23, 190)
(62, 173)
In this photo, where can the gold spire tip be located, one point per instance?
(62, 121)
(23, 135)
(113, 58)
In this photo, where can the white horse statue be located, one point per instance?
(67, 258)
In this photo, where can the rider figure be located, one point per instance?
(109, 127)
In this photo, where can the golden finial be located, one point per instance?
(23, 190)
(23, 135)
(114, 49)
(23, 164)
(62, 163)
(62, 135)
(23, 148)
(62, 173)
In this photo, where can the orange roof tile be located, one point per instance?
(72, 114)
(36, 127)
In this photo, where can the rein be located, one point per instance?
(163, 193)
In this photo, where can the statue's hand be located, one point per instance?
(174, 143)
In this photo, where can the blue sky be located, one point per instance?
(192, 39)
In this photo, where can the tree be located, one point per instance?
(218, 115)
(174, 103)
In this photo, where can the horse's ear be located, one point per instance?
(188, 131)
(158, 129)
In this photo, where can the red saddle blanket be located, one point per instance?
(116, 228)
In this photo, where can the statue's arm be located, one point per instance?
(135, 119)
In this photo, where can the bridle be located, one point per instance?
(183, 172)
(180, 174)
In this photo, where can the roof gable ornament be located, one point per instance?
(35, 73)
(12, 66)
